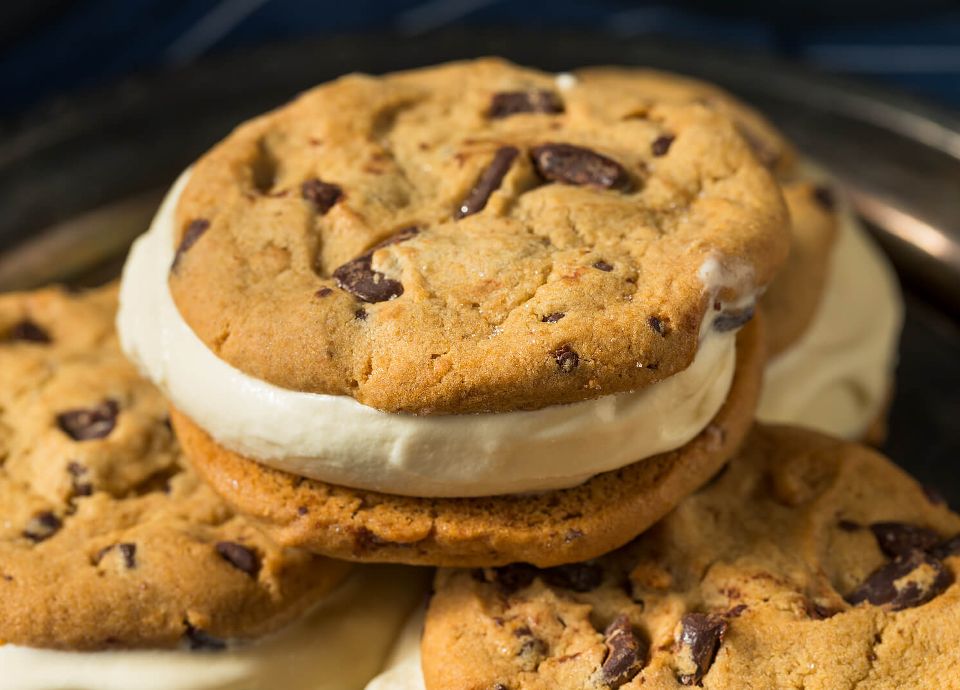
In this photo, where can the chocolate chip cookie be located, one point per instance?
(472, 237)
(546, 528)
(809, 562)
(791, 300)
(107, 540)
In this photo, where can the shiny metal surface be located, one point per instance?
(80, 181)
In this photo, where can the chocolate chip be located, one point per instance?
(567, 359)
(933, 495)
(360, 314)
(514, 577)
(28, 331)
(42, 526)
(736, 611)
(359, 279)
(848, 525)
(948, 547)
(129, 553)
(658, 325)
(239, 556)
(194, 230)
(579, 577)
(602, 265)
(899, 539)
(890, 585)
(321, 195)
(553, 317)
(78, 473)
(507, 103)
(87, 424)
(700, 636)
(733, 319)
(661, 144)
(578, 166)
(820, 612)
(572, 535)
(532, 648)
(323, 292)
(626, 653)
(825, 197)
(488, 183)
(302, 510)
(198, 640)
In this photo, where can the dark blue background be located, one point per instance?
(51, 47)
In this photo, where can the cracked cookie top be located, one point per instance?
(107, 540)
(472, 237)
(809, 562)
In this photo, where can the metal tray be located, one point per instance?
(81, 178)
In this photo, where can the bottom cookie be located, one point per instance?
(808, 563)
(549, 528)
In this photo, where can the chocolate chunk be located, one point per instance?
(194, 230)
(323, 292)
(899, 539)
(661, 145)
(848, 525)
(321, 195)
(488, 183)
(626, 653)
(198, 640)
(701, 635)
(554, 317)
(87, 424)
(602, 265)
(904, 582)
(360, 314)
(359, 279)
(658, 325)
(78, 474)
(42, 526)
(948, 547)
(239, 556)
(28, 331)
(567, 359)
(129, 553)
(507, 103)
(825, 197)
(514, 577)
(575, 165)
(579, 577)
(732, 320)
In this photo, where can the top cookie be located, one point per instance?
(808, 563)
(471, 237)
(106, 539)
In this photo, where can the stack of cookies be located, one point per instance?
(516, 326)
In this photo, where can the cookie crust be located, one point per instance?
(292, 272)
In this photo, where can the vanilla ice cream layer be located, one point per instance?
(339, 645)
(402, 670)
(837, 377)
(336, 439)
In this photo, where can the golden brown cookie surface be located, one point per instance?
(106, 540)
(547, 528)
(442, 240)
(809, 562)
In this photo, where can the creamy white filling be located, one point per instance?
(336, 439)
(837, 377)
(339, 645)
(403, 670)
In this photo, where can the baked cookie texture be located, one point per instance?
(809, 563)
(548, 528)
(440, 241)
(791, 300)
(107, 540)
